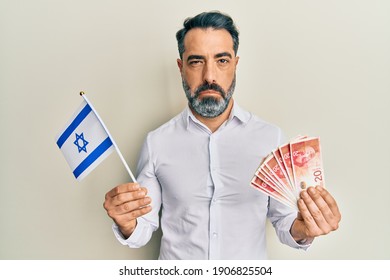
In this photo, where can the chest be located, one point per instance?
(195, 171)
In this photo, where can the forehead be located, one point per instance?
(208, 41)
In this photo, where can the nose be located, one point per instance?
(209, 73)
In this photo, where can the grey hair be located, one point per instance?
(215, 20)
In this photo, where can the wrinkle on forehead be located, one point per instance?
(208, 42)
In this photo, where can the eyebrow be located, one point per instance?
(194, 56)
(218, 55)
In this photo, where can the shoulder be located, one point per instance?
(259, 128)
(174, 125)
(253, 121)
(260, 123)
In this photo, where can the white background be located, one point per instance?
(320, 68)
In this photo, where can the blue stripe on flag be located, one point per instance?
(75, 123)
(106, 144)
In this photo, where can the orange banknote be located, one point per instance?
(289, 169)
(306, 161)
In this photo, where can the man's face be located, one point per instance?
(208, 70)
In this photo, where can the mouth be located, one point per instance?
(209, 92)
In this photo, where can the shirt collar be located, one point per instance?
(237, 112)
(242, 115)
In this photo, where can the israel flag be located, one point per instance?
(85, 142)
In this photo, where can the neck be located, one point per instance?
(214, 123)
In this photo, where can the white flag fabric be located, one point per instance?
(84, 141)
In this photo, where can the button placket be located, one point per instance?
(214, 207)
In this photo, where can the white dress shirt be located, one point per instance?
(201, 182)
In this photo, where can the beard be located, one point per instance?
(209, 106)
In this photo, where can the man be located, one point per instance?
(197, 167)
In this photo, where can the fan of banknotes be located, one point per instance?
(289, 169)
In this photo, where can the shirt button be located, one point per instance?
(214, 200)
(215, 235)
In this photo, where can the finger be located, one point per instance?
(322, 205)
(312, 228)
(126, 218)
(128, 196)
(131, 206)
(331, 202)
(316, 205)
(123, 189)
(331, 212)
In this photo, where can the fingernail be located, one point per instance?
(304, 194)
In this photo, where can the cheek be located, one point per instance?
(227, 80)
(193, 79)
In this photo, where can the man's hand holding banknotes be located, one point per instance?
(293, 174)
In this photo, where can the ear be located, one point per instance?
(237, 59)
(180, 64)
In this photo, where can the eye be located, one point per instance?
(223, 61)
(195, 62)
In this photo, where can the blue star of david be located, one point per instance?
(84, 142)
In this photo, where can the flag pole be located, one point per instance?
(109, 135)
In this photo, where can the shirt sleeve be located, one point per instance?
(148, 223)
(282, 218)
